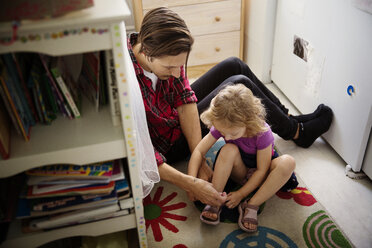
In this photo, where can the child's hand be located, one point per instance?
(233, 199)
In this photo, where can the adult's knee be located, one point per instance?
(241, 79)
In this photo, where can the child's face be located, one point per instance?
(230, 132)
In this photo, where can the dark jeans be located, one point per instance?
(234, 71)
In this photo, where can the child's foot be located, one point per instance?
(248, 217)
(211, 215)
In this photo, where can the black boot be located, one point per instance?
(312, 129)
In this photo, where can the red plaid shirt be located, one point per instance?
(160, 105)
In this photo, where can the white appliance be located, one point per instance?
(338, 68)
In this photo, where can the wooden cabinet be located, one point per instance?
(216, 25)
(92, 137)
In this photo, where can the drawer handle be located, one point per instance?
(217, 49)
(217, 18)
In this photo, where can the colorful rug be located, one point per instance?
(288, 219)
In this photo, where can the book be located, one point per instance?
(72, 217)
(54, 205)
(18, 91)
(8, 107)
(38, 96)
(23, 62)
(112, 89)
(45, 60)
(97, 170)
(46, 188)
(89, 77)
(56, 71)
(4, 133)
(88, 189)
(16, 111)
(126, 203)
(42, 180)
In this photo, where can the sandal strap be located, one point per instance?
(250, 213)
(211, 209)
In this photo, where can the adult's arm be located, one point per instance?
(190, 125)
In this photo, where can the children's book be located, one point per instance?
(42, 180)
(97, 170)
(18, 90)
(8, 107)
(56, 69)
(22, 122)
(54, 205)
(23, 62)
(89, 189)
(45, 60)
(89, 78)
(73, 217)
(38, 95)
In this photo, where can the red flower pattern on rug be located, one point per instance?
(300, 195)
(157, 213)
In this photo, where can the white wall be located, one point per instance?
(259, 36)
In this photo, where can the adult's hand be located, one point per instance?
(206, 193)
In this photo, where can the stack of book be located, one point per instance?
(36, 88)
(60, 195)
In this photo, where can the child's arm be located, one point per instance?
(257, 178)
(198, 154)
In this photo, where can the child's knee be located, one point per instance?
(288, 164)
(230, 149)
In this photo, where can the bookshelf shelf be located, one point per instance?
(90, 138)
(85, 140)
(16, 238)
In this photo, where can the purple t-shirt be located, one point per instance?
(249, 145)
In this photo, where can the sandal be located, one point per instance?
(211, 209)
(247, 214)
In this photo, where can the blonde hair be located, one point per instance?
(235, 105)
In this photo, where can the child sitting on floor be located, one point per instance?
(248, 156)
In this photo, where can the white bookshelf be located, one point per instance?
(90, 138)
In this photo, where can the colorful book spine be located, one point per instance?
(22, 68)
(93, 170)
(39, 97)
(44, 61)
(23, 125)
(90, 189)
(13, 74)
(61, 83)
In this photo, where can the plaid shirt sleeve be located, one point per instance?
(184, 94)
(160, 159)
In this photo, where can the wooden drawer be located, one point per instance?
(150, 4)
(214, 17)
(213, 48)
